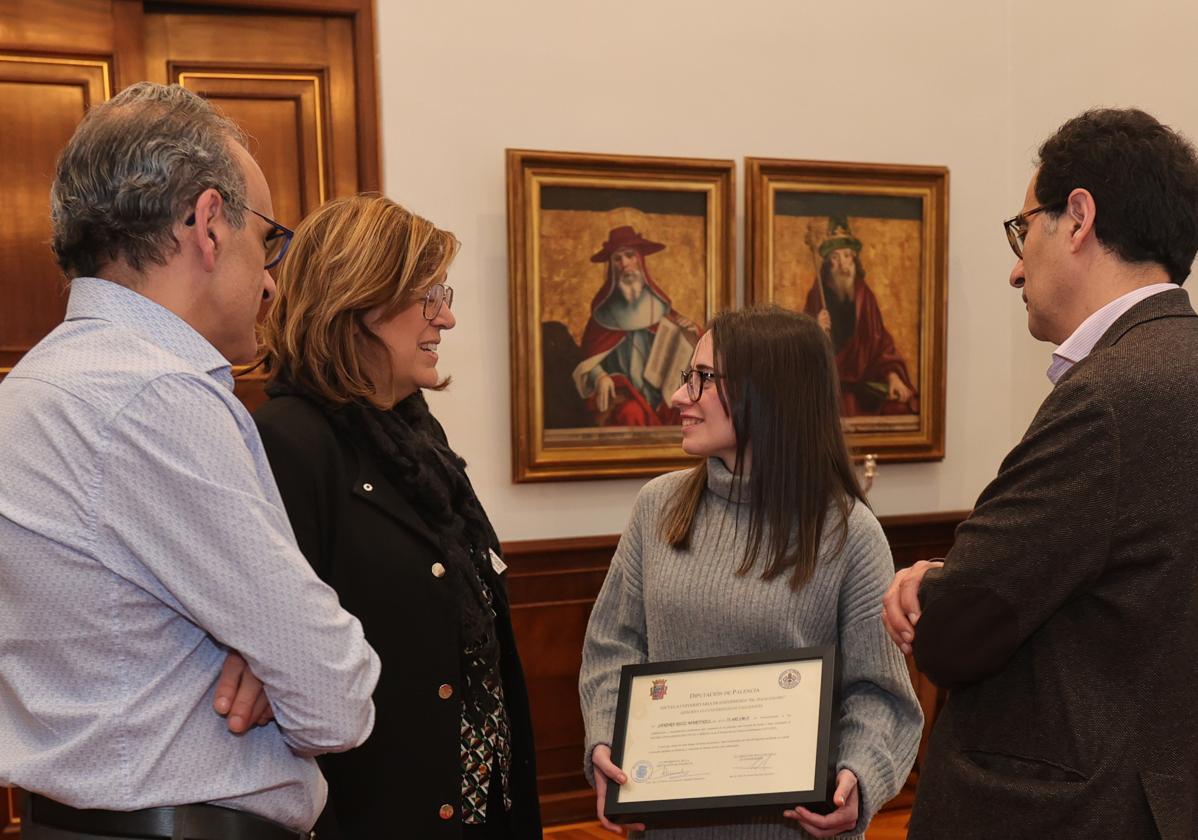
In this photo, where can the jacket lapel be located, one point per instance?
(373, 487)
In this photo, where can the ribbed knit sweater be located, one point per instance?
(659, 603)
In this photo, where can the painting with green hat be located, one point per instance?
(862, 249)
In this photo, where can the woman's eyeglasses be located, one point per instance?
(437, 295)
(695, 380)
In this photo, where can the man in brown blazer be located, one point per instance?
(1064, 621)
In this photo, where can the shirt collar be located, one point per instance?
(1078, 345)
(93, 298)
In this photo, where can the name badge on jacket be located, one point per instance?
(497, 564)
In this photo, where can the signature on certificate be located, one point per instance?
(753, 761)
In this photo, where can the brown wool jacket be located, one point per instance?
(1065, 619)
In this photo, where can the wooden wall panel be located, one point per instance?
(293, 91)
(553, 585)
(10, 812)
(61, 26)
(43, 97)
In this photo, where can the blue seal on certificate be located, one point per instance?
(789, 678)
(641, 771)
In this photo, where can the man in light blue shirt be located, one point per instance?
(143, 543)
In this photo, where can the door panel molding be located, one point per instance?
(44, 96)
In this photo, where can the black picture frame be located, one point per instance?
(681, 810)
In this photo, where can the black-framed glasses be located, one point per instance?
(437, 295)
(277, 239)
(1016, 226)
(695, 380)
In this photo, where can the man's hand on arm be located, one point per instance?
(900, 604)
(240, 696)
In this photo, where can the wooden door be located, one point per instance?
(297, 75)
(288, 81)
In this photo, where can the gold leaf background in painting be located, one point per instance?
(890, 255)
(569, 280)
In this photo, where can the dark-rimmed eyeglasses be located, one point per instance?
(277, 239)
(695, 380)
(1016, 226)
(437, 295)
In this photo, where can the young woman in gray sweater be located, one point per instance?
(767, 544)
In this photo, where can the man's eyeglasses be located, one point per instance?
(695, 380)
(277, 239)
(437, 294)
(1016, 226)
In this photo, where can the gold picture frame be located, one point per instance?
(615, 263)
(864, 249)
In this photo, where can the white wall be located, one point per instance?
(971, 85)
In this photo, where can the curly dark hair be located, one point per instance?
(1144, 180)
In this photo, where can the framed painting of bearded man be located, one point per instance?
(616, 262)
(863, 249)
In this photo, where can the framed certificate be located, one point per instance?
(750, 732)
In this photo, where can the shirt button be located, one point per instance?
(438, 570)
(445, 691)
(368, 487)
(446, 812)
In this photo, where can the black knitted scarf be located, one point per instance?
(411, 448)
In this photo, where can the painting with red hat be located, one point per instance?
(630, 316)
(617, 273)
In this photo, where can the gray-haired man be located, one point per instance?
(142, 538)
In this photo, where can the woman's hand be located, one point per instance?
(843, 819)
(606, 772)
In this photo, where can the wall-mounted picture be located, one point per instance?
(616, 263)
(863, 249)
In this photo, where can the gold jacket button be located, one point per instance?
(446, 812)
(438, 570)
(445, 691)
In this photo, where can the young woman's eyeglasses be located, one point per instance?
(695, 380)
(1016, 226)
(437, 294)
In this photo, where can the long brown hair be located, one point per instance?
(351, 256)
(780, 388)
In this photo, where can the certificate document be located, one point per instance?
(725, 732)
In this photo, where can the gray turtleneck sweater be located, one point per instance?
(659, 604)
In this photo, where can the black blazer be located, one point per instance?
(367, 542)
(1065, 619)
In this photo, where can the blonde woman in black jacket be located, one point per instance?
(384, 511)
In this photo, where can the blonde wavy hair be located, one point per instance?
(353, 255)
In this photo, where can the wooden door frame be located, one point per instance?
(129, 42)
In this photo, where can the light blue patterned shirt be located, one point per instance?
(141, 537)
